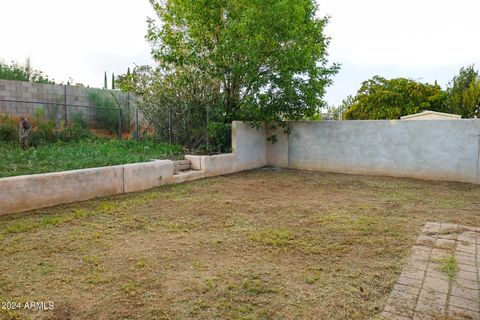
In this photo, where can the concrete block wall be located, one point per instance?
(249, 146)
(49, 93)
(277, 153)
(26, 91)
(446, 150)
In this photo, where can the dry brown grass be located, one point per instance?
(256, 245)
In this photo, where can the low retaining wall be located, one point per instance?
(143, 176)
(23, 193)
(29, 192)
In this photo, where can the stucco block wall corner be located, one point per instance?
(277, 153)
(478, 162)
(249, 145)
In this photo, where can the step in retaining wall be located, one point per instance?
(182, 165)
(24, 193)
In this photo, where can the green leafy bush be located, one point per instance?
(107, 114)
(44, 130)
(77, 130)
(79, 120)
(36, 138)
(178, 107)
(74, 132)
(8, 129)
(24, 72)
(220, 137)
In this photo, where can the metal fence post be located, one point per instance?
(55, 116)
(65, 101)
(129, 113)
(136, 124)
(206, 131)
(170, 123)
(120, 115)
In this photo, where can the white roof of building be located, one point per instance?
(434, 115)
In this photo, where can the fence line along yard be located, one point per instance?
(108, 112)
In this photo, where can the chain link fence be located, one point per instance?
(55, 111)
(108, 113)
(197, 127)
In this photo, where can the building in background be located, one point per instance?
(431, 115)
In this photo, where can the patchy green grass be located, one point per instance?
(449, 267)
(256, 286)
(254, 245)
(274, 237)
(61, 156)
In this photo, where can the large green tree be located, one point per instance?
(268, 58)
(464, 93)
(380, 98)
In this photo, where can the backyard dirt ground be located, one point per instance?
(264, 244)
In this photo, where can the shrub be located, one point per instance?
(178, 107)
(8, 129)
(77, 130)
(74, 132)
(107, 115)
(44, 130)
(36, 138)
(383, 99)
(79, 120)
(24, 72)
(220, 137)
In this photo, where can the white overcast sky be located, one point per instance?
(425, 40)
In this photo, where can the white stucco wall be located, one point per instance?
(434, 150)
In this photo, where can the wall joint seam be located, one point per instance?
(478, 161)
(123, 179)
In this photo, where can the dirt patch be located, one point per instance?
(255, 245)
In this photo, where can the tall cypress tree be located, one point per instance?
(113, 81)
(105, 85)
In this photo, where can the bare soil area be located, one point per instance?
(263, 244)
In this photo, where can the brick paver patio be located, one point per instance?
(424, 291)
